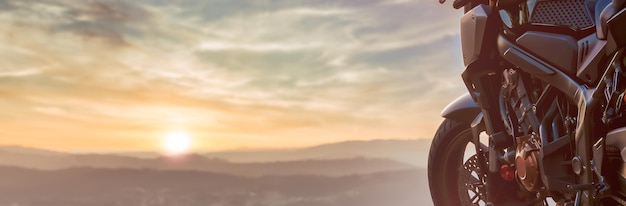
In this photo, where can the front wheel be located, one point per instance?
(454, 175)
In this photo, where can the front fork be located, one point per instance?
(493, 174)
(483, 79)
(485, 90)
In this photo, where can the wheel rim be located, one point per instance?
(471, 182)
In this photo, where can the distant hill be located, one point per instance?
(331, 167)
(91, 187)
(28, 151)
(414, 152)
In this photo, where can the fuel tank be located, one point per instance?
(576, 15)
(562, 33)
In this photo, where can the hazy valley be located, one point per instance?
(124, 187)
(358, 173)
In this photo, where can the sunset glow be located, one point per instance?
(113, 75)
(176, 143)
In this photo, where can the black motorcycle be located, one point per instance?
(545, 117)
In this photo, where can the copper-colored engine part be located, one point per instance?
(526, 163)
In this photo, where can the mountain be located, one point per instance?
(414, 152)
(28, 151)
(331, 167)
(91, 186)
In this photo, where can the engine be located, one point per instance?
(614, 116)
(543, 123)
(527, 168)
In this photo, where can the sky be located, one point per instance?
(99, 75)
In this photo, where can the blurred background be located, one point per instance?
(220, 102)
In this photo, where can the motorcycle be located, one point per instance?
(544, 119)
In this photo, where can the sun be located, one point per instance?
(176, 142)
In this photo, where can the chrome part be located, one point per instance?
(577, 165)
(526, 162)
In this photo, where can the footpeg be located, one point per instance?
(599, 189)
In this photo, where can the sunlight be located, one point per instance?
(176, 142)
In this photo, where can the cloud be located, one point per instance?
(106, 20)
(19, 73)
(257, 70)
(258, 47)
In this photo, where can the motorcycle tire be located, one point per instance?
(446, 161)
